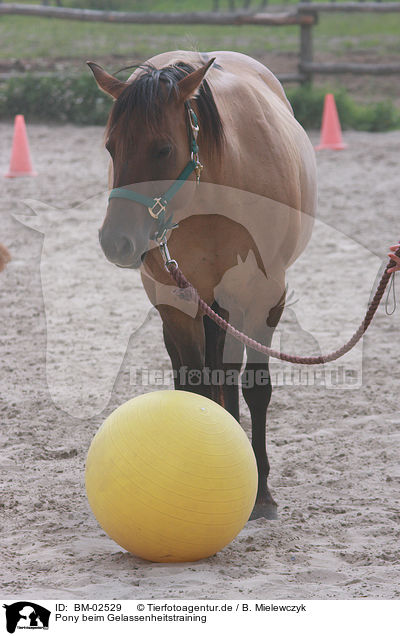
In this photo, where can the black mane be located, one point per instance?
(147, 94)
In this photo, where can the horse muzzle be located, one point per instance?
(120, 250)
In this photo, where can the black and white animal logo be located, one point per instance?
(26, 615)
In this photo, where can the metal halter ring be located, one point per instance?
(165, 253)
(161, 207)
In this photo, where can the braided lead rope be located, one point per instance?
(183, 283)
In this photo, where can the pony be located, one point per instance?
(220, 119)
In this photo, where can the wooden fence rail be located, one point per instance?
(357, 69)
(304, 15)
(348, 7)
(203, 17)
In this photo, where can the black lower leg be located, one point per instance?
(212, 334)
(256, 387)
(187, 364)
(224, 375)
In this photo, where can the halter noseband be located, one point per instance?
(157, 206)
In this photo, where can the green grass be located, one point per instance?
(30, 37)
(24, 37)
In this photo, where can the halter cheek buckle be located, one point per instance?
(158, 208)
(194, 122)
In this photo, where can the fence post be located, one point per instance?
(306, 48)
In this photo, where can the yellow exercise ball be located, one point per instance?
(171, 476)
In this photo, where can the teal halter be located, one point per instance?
(157, 206)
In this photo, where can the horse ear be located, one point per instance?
(189, 85)
(108, 83)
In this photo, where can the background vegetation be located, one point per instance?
(77, 99)
(61, 46)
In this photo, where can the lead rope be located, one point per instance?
(179, 278)
(391, 288)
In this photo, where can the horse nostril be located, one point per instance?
(124, 246)
(118, 248)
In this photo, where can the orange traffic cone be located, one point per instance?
(331, 133)
(20, 164)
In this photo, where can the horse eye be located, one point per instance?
(164, 152)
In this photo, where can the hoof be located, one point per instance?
(266, 510)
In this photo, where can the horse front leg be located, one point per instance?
(224, 356)
(185, 343)
(173, 355)
(231, 359)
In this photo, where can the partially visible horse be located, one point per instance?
(257, 196)
(4, 257)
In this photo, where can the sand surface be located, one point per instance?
(75, 332)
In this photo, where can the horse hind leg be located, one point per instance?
(256, 388)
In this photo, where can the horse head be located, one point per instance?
(149, 141)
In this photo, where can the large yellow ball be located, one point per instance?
(171, 476)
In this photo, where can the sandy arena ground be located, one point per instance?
(334, 446)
